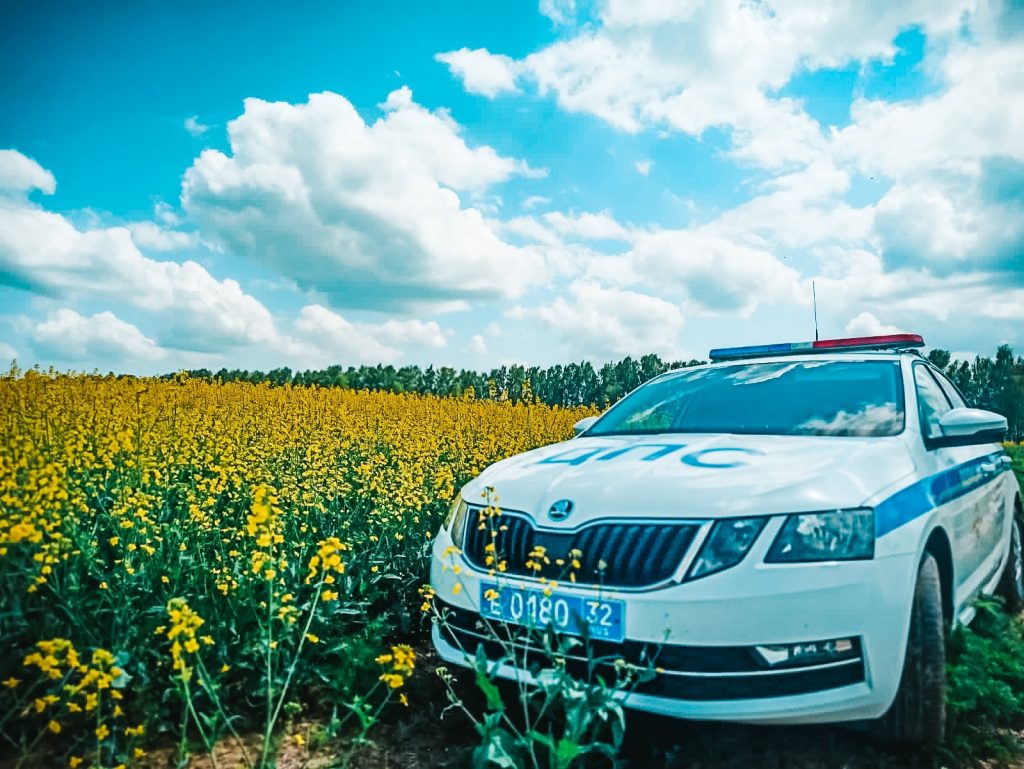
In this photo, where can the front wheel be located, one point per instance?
(917, 718)
(1011, 584)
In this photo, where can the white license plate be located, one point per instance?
(599, 618)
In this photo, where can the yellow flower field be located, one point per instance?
(176, 552)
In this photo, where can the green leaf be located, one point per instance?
(490, 691)
(567, 752)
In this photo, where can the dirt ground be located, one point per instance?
(429, 737)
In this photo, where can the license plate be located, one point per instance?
(573, 614)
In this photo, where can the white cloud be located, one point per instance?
(194, 127)
(600, 322)
(691, 65)
(559, 11)
(152, 236)
(979, 113)
(368, 215)
(588, 226)
(867, 324)
(323, 336)
(411, 333)
(7, 354)
(532, 201)
(956, 163)
(643, 167)
(712, 273)
(800, 209)
(481, 72)
(65, 335)
(44, 252)
(22, 174)
(955, 311)
(477, 345)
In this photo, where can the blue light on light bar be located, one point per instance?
(753, 351)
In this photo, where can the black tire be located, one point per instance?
(1011, 584)
(917, 718)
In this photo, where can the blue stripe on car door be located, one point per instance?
(925, 495)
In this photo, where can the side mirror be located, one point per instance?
(585, 424)
(963, 427)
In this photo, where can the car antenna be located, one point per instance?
(814, 296)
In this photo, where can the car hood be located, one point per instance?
(694, 476)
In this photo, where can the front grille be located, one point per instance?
(612, 554)
(695, 673)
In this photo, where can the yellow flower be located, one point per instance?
(393, 680)
(102, 732)
(312, 638)
(270, 489)
(54, 727)
(74, 761)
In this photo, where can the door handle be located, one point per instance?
(1005, 461)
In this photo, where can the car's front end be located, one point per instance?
(749, 569)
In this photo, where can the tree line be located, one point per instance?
(994, 383)
(574, 384)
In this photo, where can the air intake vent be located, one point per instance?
(629, 555)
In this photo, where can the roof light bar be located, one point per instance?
(886, 342)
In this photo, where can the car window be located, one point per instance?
(950, 390)
(931, 402)
(826, 397)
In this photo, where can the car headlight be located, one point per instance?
(726, 545)
(843, 535)
(458, 516)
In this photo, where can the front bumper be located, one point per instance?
(704, 630)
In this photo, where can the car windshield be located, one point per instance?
(833, 397)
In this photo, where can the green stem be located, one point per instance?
(220, 709)
(295, 658)
(365, 724)
(269, 673)
(199, 727)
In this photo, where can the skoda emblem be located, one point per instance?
(560, 510)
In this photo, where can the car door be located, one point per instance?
(958, 489)
(993, 501)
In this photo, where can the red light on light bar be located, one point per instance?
(909, 340)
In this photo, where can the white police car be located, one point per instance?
(792, 527)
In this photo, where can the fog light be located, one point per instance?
(810, 653)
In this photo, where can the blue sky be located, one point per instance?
(472, 184)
